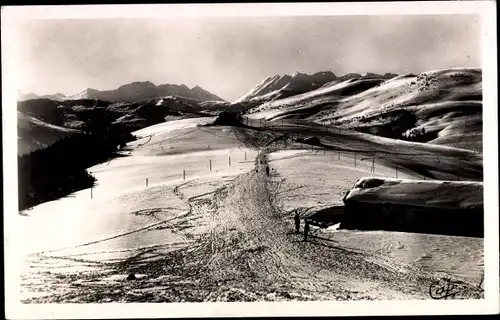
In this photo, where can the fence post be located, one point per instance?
(146, 182)
(183, 174)
(373, 165)
(91, 192)
(229, 160)
(482, 280)
(210, 161)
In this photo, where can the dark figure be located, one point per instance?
(131, 276)
(267, 171)
(297, 222)
(306, 230)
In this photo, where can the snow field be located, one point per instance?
(308, 186)
(121, 203)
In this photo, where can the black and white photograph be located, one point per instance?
(185, 155)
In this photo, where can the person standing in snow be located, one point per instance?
(297, 222)
(306, 230)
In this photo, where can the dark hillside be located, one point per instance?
(60, 169)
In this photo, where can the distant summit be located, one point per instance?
(278, 87)
(84, 94)
(367, 75)
(390, 75)
(30, 96)
(143, 90)
(26, 96)
(135, 91)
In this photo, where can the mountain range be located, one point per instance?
(135, 91)
(30, 96)
(279, 87)
(439, 107)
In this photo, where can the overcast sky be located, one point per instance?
(228, 56)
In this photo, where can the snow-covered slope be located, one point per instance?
(328, 93)
(162, 198)
(278, 86)
(305, 187)
(77, 114)
(34, 134)
(267, 86)
(446, 104)
(85, 94)
(161, 154)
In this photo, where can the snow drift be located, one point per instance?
(435, 207)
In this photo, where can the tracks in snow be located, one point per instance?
(249, 252)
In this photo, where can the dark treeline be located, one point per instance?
(59, 169)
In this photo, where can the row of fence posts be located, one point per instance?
(184, 171)
(263, 122)
(372, 169)
(183, 174)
